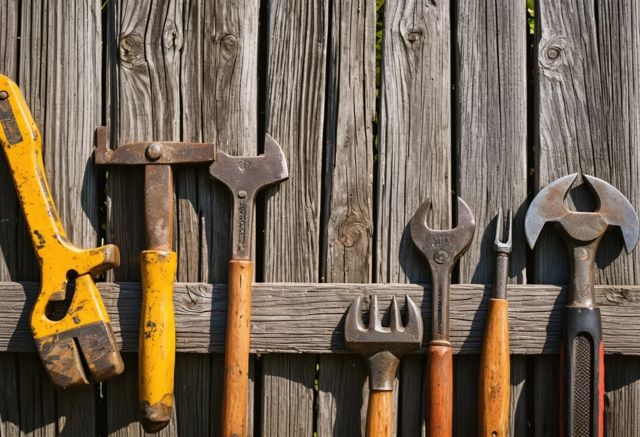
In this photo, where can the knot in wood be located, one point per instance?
(228, 44)
(131, 50)
(171, 37)
(553, 54)
(354, 228)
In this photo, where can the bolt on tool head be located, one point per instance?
(383, 346)
(245, 177)
(442, 249)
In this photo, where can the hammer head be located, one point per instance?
(442, 248)
(613, 210)
(246, 176)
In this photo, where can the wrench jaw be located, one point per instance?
(383, 347)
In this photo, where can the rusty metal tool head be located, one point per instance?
(582, 349)
(158, 264)
(245, 177)
(78, 344)
(582, 230)
(382, 346)
(502, 247)
(442, 249)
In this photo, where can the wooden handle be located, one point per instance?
(157, 338)
(380, 414)
(440, 390)
(236, 359)
(493, 408)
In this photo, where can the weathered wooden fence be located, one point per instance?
(466, 102)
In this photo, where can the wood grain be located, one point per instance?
(587, 100)
(307, 318)
(294, 116)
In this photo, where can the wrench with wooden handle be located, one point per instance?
(442, 249)
(245, 177)
(84, 331)
(493, 408)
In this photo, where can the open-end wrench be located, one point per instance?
(382, 347)
(582, 352)
(493, 408)
(84, 328)
(157, 338)
(442, 249)
(245, 177)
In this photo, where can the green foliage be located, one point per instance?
(531, 16)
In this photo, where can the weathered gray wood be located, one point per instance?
(415, 145)
(294, 116)
(588, 94)
(622, 395)
(307, 318)
(37, 399)
(348, 191)
(413, 386)
(9, 395)
(518, 410)
(491, 156)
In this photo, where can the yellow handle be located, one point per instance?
(157, 347)
(494, 372)
(236, 351)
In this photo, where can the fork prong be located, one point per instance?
(374, 314)
(501, 243)
(396, 320)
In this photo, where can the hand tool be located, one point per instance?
(582, 351)
(442, 249)
(65, 269)
(245, 177)
(157, 338)
(493, 406)
(382, 347)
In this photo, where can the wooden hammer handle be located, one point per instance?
(236, 359)
(495, 372)
(440, 390)
(380, 414)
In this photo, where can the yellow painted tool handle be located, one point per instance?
(236, 359)
(380, 414)
(493, 399)
(157, 347)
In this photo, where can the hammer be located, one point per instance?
(244, 177)
(157, 337)
(582, 351)
(382, 347)
(442, 249)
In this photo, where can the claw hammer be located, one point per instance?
(441, 249)
(244, 177)
(582, 350)
(84, 332)
(158, 264)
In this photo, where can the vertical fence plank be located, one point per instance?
(219, 92)
(414, 156)
(348, 189)
(587, 93)
(491, 149)
(298, 33)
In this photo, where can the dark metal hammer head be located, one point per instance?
(383, 346)
(248, 175)
(442, 248)
(613, 210)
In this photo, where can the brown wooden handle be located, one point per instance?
(380, 414)
(440, 390)
(236, 359)
(493, 408)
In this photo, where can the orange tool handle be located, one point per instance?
(236, 358)
(380, 414)
(493, 406)
(440, 390)
(157, 339)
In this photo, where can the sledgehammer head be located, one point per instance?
(613, 210)
(245, 176)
